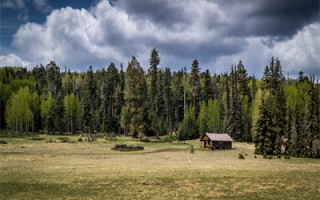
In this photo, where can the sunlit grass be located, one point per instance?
(81, 170)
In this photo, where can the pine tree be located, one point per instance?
(155, 89)
(167, 98)
(135, 97)
(87, 101)
(274, 86)
(234, 116)
(195, 84)
(311, 121)
(58, 116)
(207, 90)
(108, 99)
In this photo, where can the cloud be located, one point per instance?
(17, 5)
(216, 33)
(12, 60)
(300, 53)
(13, 4)
(42, 6)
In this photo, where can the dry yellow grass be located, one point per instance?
(39, 170)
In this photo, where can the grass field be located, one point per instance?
(32, 169)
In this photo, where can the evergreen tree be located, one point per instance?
(207, 90)
(135, 97)
(54, 83)
(273, 84)
(195, 84)
(87, 101)
(311, 121)
(58, 113)
(167, 98)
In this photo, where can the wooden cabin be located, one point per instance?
(216, 141)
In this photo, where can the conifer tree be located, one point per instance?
(311, 121)
(207, 90)
(195, 84)
(135, 99)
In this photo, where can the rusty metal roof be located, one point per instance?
(219, 137)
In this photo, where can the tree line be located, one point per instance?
(279, 115)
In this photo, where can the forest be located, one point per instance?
(279, 115)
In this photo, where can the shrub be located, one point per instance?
(279, 156)
(287, 157)
(169, 138)
(145, 139)
(191, 148)
(3, 142)
(255, 156)
(90, 139)
(112, 137)
(63, 139)
(37, 138)
(270, 157)
(241, 156)
(50, 141)
(126, 147)
(80, 139)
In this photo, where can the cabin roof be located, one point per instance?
(218, 137)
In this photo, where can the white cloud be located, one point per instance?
(300, 53)
(12, 60)
(42, 6)
(78, 38)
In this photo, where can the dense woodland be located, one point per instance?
(281, 116)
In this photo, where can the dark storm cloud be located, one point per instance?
(282, 18)
(161, 12)
(275, 18)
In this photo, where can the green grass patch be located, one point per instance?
(37, 170)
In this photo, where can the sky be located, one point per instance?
(218, 33)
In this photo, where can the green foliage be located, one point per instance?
(182, 103)
(72, 111)
(188, 128)
(37, 138)
(135, 97)
(191, 149)
(241, 156)
(3, 142)
(19, 112)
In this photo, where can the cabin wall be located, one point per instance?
(221, 145)
(216, 144)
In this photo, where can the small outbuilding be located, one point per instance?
(216, 141)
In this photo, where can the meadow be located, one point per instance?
(38, 169)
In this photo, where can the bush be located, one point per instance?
(112, 137)
(90, 139)
(145, 139)
(126, 147)
(169, 138)
(63, 139)
(255, 156)
(241, 156)
(50, 141)
(80, 139)
(191, 148)
(287, 157)
(3, 142)
(270, 157)
(279, 156)
(37, 138)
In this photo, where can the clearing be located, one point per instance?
(36, 169)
